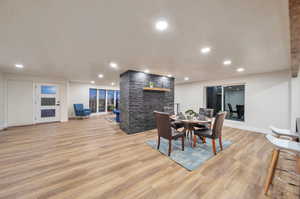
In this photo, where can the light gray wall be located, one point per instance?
(267, 99)
(295, 100)
(1, 100)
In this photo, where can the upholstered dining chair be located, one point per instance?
(214, 133)
(279, 144)
(165, 130)
(203, 114)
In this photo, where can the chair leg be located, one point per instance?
(195, 141)
(170, 147)
(182, 142)
(214, 146)
(271, 171)
(220, 142)
(158, 143)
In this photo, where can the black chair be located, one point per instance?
(240, 109)
(165, 131)
(213, 134)
(231, 111)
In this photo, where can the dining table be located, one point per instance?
(191, 124)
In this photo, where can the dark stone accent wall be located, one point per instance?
(137, 105)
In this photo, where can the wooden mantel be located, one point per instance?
(156, 89)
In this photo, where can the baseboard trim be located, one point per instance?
(247, 128)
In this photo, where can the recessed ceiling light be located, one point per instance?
(161, 25)
(146, 71)
(227, 62)
(100, 75)
(113, 64)
(205, 50)
(240, 70)
(92, 82)
(19, 65)
(186, 78)
(113, 83)
(169, 75)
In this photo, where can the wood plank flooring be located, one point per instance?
(93, 158)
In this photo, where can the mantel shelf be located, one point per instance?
(156, 89)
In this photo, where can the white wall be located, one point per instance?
(267, 99)
(1, 101)
(32, 80)
(79, 93)
(295, 100)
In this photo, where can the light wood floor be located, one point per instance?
(92, 158)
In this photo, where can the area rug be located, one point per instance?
(192, 157)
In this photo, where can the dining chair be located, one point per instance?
(203, 114)
(214, 133)
(279, 145)
(165, 130)
(177, 124)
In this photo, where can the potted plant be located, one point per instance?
(191, 114)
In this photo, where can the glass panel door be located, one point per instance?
(234, 102)
(214, 98)
(101, 100)
(110, 100)
(93, 100)
(47, 103)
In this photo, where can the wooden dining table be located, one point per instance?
(189, 126)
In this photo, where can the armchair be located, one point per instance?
(80, 111)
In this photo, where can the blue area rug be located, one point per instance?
(190, 158)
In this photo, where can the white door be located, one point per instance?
(20, 102)
(47, 103)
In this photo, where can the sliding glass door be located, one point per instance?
(229, 98)
(101, 100)
(93, 100)
(234, 102)
(110, 100)
(214, 98)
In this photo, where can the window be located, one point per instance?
(110, 100)
(93, 100)
(102, 100)
(48, 89)
(227, 98)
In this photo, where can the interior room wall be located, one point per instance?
(267, 99)
(1, 101)
(295, 100)
(29, 83)
(79, 94)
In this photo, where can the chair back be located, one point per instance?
(207, 112)
(218, 125)
(230, 108)
(163, 124)
(78, 108)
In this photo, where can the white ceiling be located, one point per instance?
(76, 39)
